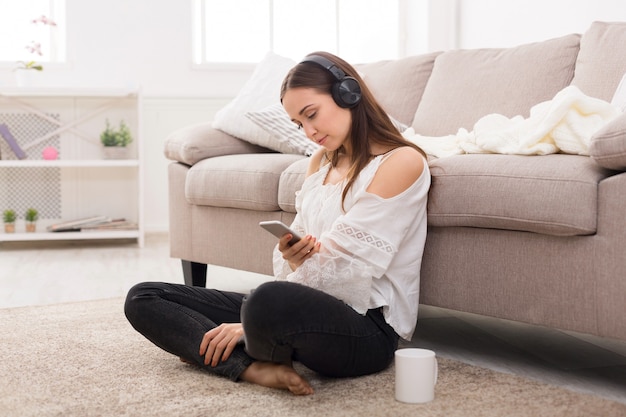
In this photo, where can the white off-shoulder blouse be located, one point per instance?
(371, 254)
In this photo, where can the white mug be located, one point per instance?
(416, 375)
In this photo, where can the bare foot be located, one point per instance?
(274, 375)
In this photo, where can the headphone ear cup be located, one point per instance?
(347, 92)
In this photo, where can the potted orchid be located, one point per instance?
(26, 69)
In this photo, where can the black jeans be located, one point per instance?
(282, 321)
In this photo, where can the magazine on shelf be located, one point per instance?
(116, 224)
(78, 224)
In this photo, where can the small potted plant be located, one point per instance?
(8, 216)
(31, 217)
(115, 142)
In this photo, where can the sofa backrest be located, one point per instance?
(439, 93)
(466, 85)
(398, 85)
(601, 62)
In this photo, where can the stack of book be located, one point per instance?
(10, 139)
(95, 223)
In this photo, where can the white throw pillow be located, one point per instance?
(275, 120)
(619, 98)
(259, 92)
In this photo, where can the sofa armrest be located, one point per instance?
(608, 145)
(194, 143)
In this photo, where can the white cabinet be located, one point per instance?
(81, 182)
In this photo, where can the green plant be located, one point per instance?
(108, 137)
(124, 137)
(9, 216)
(31, 215)
(30, 65)
(113, 137)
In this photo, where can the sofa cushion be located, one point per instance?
(600, 67)
(608, 145)
(551, 194)
(239, 181)
(194, 143)
(398, 85)
(466, 85)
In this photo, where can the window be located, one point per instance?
(357, 30)
(32, 30)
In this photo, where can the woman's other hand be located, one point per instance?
(218, 343)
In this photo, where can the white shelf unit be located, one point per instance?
(80, 183)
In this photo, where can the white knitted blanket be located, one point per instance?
(564, 124)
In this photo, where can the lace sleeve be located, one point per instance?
(335, 269)
(340, 275)
(281, 266)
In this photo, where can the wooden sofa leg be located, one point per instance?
(194, 273)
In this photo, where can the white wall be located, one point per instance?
(148, 42)
(497, 23)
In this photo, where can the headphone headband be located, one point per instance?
(346, 90)
(327, 64)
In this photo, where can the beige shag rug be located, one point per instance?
(84, 359)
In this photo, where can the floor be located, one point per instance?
(55, 272)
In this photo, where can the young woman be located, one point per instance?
(345, 292)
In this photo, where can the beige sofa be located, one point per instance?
(537, 239)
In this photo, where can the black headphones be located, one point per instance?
(346, 91)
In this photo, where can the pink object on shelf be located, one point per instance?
(50, 153)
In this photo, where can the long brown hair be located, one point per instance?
(370, 123)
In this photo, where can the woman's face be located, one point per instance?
(323, 121)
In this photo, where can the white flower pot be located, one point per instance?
(116, 152)
(27, 77)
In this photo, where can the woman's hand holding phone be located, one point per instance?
(300, 251)
(295, 250)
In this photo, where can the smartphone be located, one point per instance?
(279, 229)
